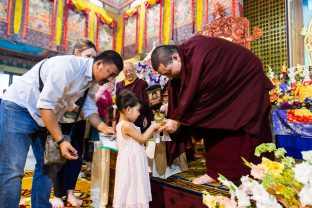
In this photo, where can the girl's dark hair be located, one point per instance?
(126, 99)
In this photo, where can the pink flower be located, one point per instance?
(226, 202)
(257, 172)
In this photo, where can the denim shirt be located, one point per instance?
(65, 80)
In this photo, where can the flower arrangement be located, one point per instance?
(292, 86)
(270, 183)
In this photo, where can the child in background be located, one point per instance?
(132, 183)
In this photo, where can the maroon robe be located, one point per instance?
(222, 95)
(138, 87)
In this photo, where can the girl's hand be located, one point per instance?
(156, 126)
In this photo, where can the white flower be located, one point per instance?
(242, 198)
(303, 172)
(262, 197)
(307, 156)
(305, 195)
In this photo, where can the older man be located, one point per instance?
(24, 109)
(137, 86)
(219, 90)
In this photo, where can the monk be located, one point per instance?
(219, 91)
(137, 86)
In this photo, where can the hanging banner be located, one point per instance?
(199, 14)
(130, 24)
(53, 23)
(166, 31)
(233, 8)
(90, 10)
(18, 16)
(4, 5)
(92, 25)
(39, 15)
(25, 18)
(59, 21)
(9, 17)
(152, 22)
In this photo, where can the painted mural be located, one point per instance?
(3, 10)
(39, 16)
(152, 25)
(105, 37)
(76, 25)
(183, 14)
(130, 31)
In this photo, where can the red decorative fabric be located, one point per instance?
(193, 17)
(10, 2)
(114, 39)
(160, 20)
(233, 8)
(53, 24)
(99, 21)
(87, 11)
(172, 20)
(136, 31)
(123, 35)
(65, 24)
(25, 18)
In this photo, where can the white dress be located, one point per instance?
(132, 182)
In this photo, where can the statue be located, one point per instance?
(235, 29)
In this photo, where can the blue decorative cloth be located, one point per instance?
(281, 126)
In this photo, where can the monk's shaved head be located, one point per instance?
(163, 55)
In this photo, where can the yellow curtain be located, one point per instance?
(119, 21)
(18, 16)
(59, 24)
(92, 25)
(141, 27)
(199, 14)
(83, 4)
(167, 21)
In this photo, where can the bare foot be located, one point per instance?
(57, 203)
(74, 201)
(204, 179)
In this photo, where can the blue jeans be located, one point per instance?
(18, 130)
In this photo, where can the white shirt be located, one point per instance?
(65, 79)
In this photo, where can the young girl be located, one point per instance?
(132, 183)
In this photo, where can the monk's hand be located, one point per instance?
(68, 151)
(164, 109)
(145, 123)
(170, 126)
(102, 127)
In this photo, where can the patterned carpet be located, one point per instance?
(181, 181)
(82, 191)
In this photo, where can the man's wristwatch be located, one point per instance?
(58, 143)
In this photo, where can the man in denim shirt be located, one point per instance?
(24, 110)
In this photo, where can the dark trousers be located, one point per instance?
(65, 177)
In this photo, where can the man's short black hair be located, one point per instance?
(111, 57)
(163, 55)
